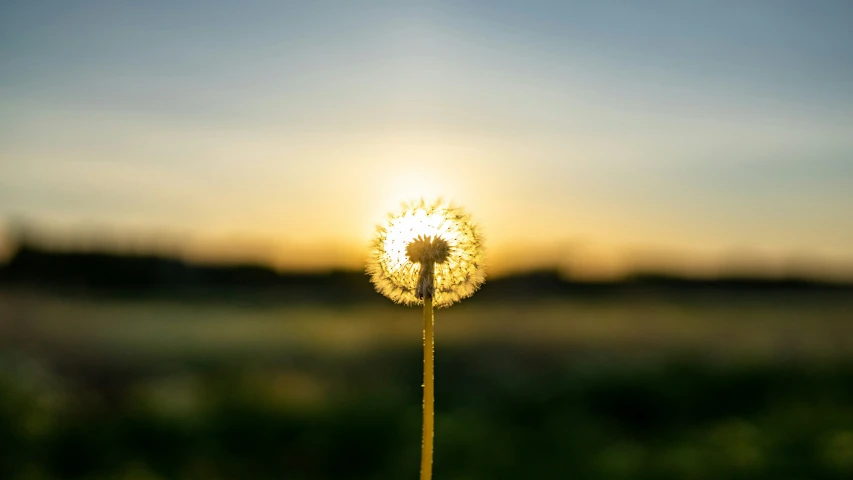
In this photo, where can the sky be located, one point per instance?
(596, 136)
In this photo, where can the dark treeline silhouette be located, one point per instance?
(99, 271)
(95, 271)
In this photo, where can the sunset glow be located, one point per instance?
(278, 134)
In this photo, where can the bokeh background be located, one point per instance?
(188, 189)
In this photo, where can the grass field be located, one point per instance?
(701, 386)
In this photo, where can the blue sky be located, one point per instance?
(598, 130)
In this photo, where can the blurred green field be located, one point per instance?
(150, 329)
(699, 387)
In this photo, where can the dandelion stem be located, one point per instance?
(429, 394)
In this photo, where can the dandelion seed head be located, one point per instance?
(423, 235)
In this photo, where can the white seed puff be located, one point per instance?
(439, 233)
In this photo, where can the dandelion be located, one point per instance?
(430, 255)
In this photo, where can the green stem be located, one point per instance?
(429, 390)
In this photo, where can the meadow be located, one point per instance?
(701, 385)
